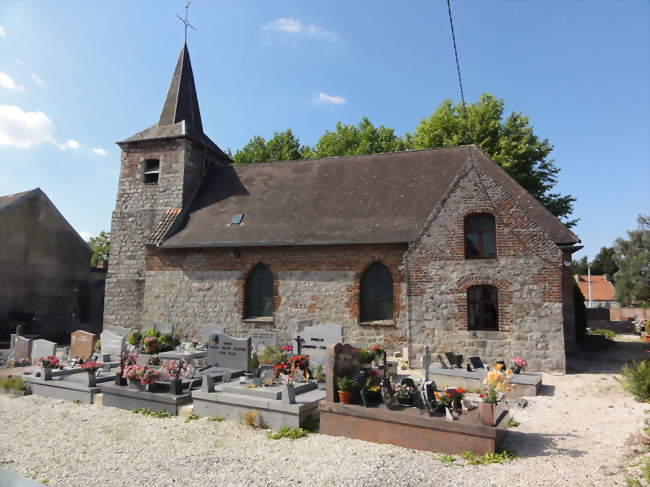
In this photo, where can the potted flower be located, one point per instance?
(125, 360)
(151, 345)
(519, 364)
(140, 378)
(91, 368)
(347, 387)
(372, 386)
(496, 385)
(404, 394)
(452, 397)
(377, 352)
(175, 368)
(47, 364)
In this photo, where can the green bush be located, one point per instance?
(636, 379)
(366, 356)
(12, 384)
(347, 384)
(609, 334)
(166, 342)
(134, 338)
(286, 432)
(151, 332)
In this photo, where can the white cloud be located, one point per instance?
(8, 83)
(99, 151)
(330, 99)
(70, 144)
(3, 33)
(295, 28)
(38, 80)
(85, 235)
(24, 129)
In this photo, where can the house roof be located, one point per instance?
(6, 200)
(378, 198)
(601, 288)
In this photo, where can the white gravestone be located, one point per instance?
(228, 352)
(119, 330)
(316, 339)
(263, 337)
(42, 348)
(208, 331)
(112, 344)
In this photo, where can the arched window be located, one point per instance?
(376, 293)
(482, 308)
(480, 236)
(258, 300)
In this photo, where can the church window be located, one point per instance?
(376, 293)
(480, 236)
(259, 300)
(151, 171)
(482, 308)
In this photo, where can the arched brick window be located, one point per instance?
(376, 293)
(482, 308)
(480, 236)
(258, 300)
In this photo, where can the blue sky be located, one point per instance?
(76, 76)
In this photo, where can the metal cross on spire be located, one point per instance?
(185, 21)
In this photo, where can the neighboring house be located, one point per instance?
(438, 247)
(44, 268)
(601, 293)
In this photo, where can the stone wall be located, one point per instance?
(527, 273)
(195, 288)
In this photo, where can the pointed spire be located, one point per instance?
(181, 102)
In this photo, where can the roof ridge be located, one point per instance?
(353, 156)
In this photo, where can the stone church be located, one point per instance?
(437, 247)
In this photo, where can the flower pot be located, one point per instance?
(516, 369)
(346, 396)
(486, 414)
(456, 403)
(91, 379)
(136, 385)
(46, 373)
(176, 387)
(405, 401)
(119, 380)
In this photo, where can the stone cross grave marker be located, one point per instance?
(42, 348)
(317, 339)
(113, 344)
(82, 344)
(341, 360)
(263, 337)
(208, 331)
(229, 352)
(22, 348)
(425, 360)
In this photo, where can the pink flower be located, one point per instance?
(287, 348)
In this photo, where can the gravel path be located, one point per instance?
(579, 436)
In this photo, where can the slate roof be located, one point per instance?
(601, 288)
(378, 198)
(10, 198)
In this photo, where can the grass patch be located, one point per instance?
(153, 414)
(512, 423)
(191, 417)
(444, 458)
(286, 432)
(636, 379)
(215, 418)
(76, 401)
(15, 384)
(502, 456)
(608, 334)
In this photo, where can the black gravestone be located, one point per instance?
(459, 361)
(476, 362)
(408, 382)
(441, 359)
(501, 362)
(451, 358)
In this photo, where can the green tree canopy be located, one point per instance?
(351, 140)
(100, 245)
(604, 263)
(283, 146)
(633, 259)
(510, 142)
(580, 266)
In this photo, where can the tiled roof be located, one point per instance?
(601, 288)
(166, 222)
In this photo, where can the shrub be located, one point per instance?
(12, 384)
(609, 334)
(134, 338)
(286, 432)
(636, 379)
(272, 355)
(151, 332)
(250, 418)
(166, 343)
(445, 458)
(365, 356)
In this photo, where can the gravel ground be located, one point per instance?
(577, 434)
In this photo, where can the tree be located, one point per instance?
(350, 140)
(100, 245)
(509, 142)
(633, 259)
(604, 263)
(580, 266)
(283, 146)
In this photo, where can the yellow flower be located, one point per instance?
(498, 366)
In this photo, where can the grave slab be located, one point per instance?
(125, 398)
(63, 388)
(527, 383)
(82, 344)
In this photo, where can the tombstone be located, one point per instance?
(208, 331)
(476, 362)
(42, 348)
(441, 359)
(341, 360)
(459, 361)
(302, 324)
(229, 352)
(425, 362)
(317, 339)
(119, 330)
(164, 328)
(265, 338)
(113, 344)
(22, 348)
(82, 344)
(451, 358)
